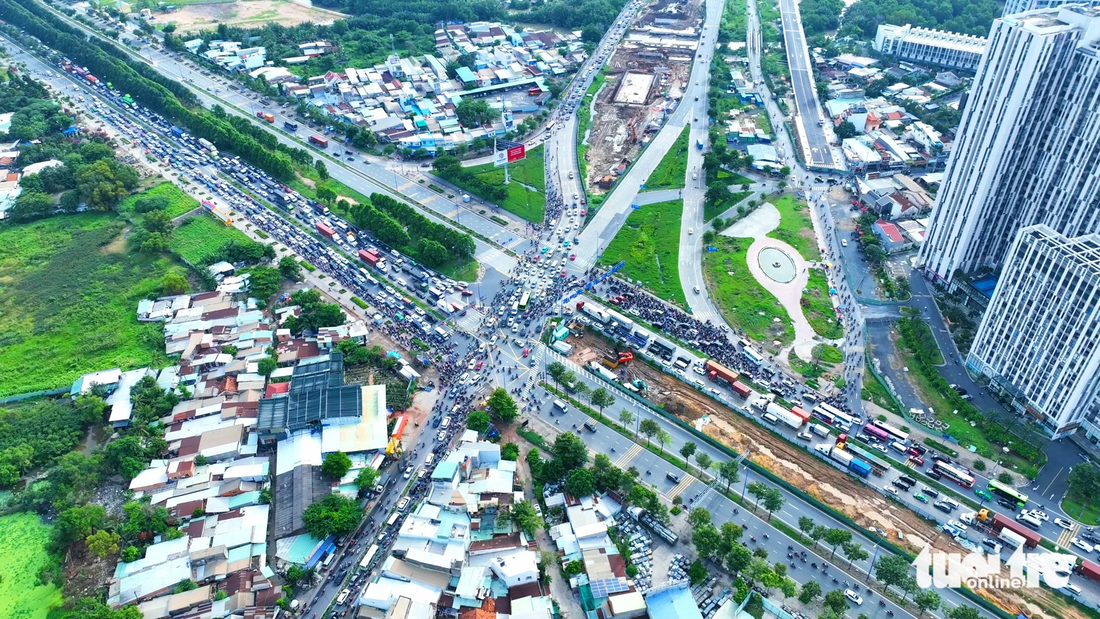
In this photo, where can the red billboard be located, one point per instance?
(517, 153)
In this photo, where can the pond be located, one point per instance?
(777, 265)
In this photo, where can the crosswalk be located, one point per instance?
(680, 487)
(1065, 537)
(624, 460)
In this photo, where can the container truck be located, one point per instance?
(1001, 523)
(716, 370)
(369, 256)
(1088, 569)
(787, 417)
(325, 230)
(93, 80)
(804, 415)
(562, 347)
(269, 117)
(859, 467)
(318, 141)
(596, 313)
(1011, 538)
(741, 389)
(289, 126)
(841, 456)
(212, 208)
(176, 131)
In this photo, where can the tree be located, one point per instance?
(649, 429)
(707, 540)
(853, 551)
(290, 268)
(703, 461)
(130, 554)
(502, 405)
(322, 169)
(173, 283)
(296, 575)
(737, 559)
(963, 612)
(569, 451)
(698, 517)
(478, 421)
(891, 570)
(474, 112)
(509, 451)
(556, 370)
(697, 573)
(810, 591)
(336, 465)
(573, 568)
(526, 518)
(757, 489)
(687, 450)
(846, 130)
(927, 600)
(76, 523)
(103, 543)
(367, 479)
(818, 533)
(1005, 478)
(773, 501)
(580, 483)
(730, 472)
(267, 365)
(333, 515)
(580, 389)
(626, 418)
(836, 537)
(836, 602)
(602, 398)
(805, 524)
(567, 379)
(663, 438)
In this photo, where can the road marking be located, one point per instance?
(1067, 535)
(630, 454)
(680, 487)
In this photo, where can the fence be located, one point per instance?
(36, 394)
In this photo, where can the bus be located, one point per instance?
(955, 474)
(515, 308)
(1007, 492)
(891, 430)
(833, 416)
(753, 358)
(328, 561)
(367, 558)
(393, 519)
(876, 433)
(524, 300)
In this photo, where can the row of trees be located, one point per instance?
(399, 225)
(449, 168)
(968, 17)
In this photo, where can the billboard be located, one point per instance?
(513, 153)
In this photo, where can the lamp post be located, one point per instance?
(871, 566)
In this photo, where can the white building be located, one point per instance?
(1019, 6)
(926, 46)
(1028, 143)
(1040, 340)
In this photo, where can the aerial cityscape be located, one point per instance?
(549, 309)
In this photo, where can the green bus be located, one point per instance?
(524, 300)
(1007, 492)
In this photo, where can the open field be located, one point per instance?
(649, 243)
(68, 296)
(201, 236)
(23, 540)
(817, 305)
(795, 227)
(179, 202)
(671, 172)
(244, 13)
(528, 203)
(744, 303)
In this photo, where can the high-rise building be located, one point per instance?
(1019, 6)
(1039, 342)
(1028, 150)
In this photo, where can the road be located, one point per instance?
(809, 119)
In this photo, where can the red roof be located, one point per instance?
(890, 230)
(276, 388)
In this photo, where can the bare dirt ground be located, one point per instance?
(866, 507)
(619, 131)
(248, 13)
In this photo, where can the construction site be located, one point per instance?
(646, 78)
(794, 464)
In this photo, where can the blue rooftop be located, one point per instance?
(465, 75)
(675, 603)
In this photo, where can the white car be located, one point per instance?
(805, 436)
(1065, 524)
(1083, 545)
(853, 596)
(892, 490)
(691, 230)
(958, 525)
(696, 289)
(1041, 515)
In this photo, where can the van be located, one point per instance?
(428, 461)
(993, 545)
(1029, 520)
(951, 503)
(446, 422)
(932, 492)
(770, 418)
(1073, 590)
(560, 405)
(898, 447)
(402, 504)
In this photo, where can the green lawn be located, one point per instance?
(178, 201)
(672, 170)
(818, 306)
(710, 211)
(466, 272)
(1084, 513)
(744, 303)
(527, 187)
(23, 540)
(68, 300)
(795, 227)
(201, 236)
(649, 243)
(828, 353)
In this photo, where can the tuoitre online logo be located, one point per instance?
(984, 571)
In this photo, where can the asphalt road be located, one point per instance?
(802, 83)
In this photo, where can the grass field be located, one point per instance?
(828, 353)
(649, 243)
(23, 540)
(68, 296)
(671, 172)
(201, 236)
(818, 306)
(528, 203)
(744, 303)
(1087, 515)
(710, 211)
(795, 227)
(178, 201)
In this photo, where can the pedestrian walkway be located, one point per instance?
(624, 460)
(679, 488)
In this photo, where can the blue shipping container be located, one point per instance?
(859, 467)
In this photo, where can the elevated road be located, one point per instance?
(808, 122)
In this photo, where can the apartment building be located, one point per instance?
(1040, 340)
(932, 47)
(1019, 6)
(1028, 146)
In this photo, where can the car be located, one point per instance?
(477, 368)
(853, 596)
(403, 503)
(844, 242)
(691, 230)
(920, 497)
(1041, 515)
(805, 436)
(892, 490)
(958, 525)
(983, 494)
(562, 273)
(673, 477)
(1065, 524)
(696, 289)
(572, 256)
(466, 292)
(1083, 545)
(409, 471)
(526, 352)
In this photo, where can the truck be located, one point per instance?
(370, 256)
(716, 370)
(1011, 538)
(93, 80)
(699, 144)
(653, 524)
(1088, 569)
(804, 415)
(840, 455)
(465, 197)
(562, 347)
(318, 141)
(1031, 538)
(325, 230)
(289, 126)
(205, 143)
(859, 467)
(604, 373)
(212, 208)
(176, 131)
(595, 313)
(741, 389)
(787, 417)
(269, 117)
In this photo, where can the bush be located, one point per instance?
(979, 465)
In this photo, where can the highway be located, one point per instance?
(820, 155)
